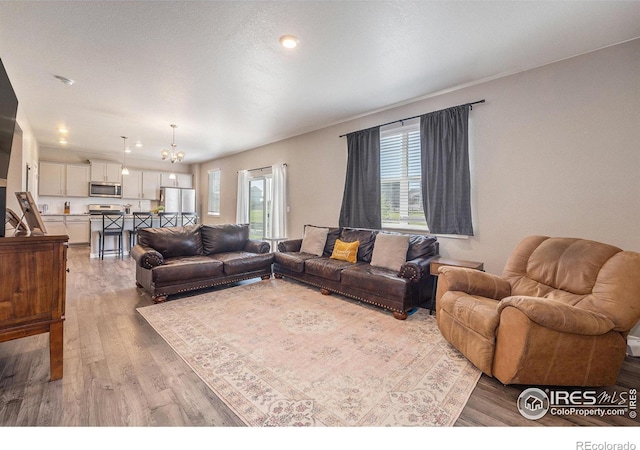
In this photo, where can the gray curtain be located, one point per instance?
(446, 185)
(361, 199)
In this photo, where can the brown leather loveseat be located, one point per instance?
(390, 270)
(559, 315)
(172, 260)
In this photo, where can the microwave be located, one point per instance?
(102, 189)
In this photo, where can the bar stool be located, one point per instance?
(168, 219)
(189, 219)
(140, 220)
(112, 225)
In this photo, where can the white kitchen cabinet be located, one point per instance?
(51, 178)
(132, 184)
(141, 185)
(78, 229)
(151, 185)
(60, 179)
(106, 171)
(54, 224)
(184, 180)
(77, 180)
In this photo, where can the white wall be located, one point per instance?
(555, 151)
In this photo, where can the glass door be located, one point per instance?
(259, 206)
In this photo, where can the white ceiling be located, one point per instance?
(216, 69)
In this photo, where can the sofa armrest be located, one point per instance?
(292, 245)
(255, 246)
(559, 316)
(415, 269)
(475, 282)
(146, 257)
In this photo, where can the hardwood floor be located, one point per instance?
(119, 372)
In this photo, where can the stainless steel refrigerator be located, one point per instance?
(180, 200)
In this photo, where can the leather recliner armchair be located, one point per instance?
(559, 315)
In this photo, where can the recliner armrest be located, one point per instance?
(146, 257)
(255, 246)
(292, 245)
(559, 316)
(475, 282)
(417, 268)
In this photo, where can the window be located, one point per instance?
(400, 178)
(213, 208)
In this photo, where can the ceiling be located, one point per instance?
(217, 70)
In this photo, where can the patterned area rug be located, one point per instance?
(279, 353)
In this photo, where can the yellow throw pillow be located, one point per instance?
(346, 251)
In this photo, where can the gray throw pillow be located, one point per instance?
(390, 251)
(313, 240)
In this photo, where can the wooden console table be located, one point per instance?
(440, 262)
(33, 291)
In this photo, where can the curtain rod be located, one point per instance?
(261, 168)
(415, 117)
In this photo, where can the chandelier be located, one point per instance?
(172, 155)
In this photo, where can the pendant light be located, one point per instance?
(125, 171)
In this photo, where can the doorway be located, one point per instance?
(260, 188)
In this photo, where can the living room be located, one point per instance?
(552, 152)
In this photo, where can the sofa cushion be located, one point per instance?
(224, 238)
(332, 237)
(171, 242)
(420, 246)
(241, 262)
(293, 261)
(366, 239)
(327, 268)
(314, 240)
(345, 251)
(390, 251)
(186, 268)
(381, 282)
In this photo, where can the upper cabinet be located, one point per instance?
(77, 182)
(106, 171)
(151, 185)
(51, 178)
(184, 180)
(59, 179)
(141, 185)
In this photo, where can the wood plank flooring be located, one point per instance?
(119, 372)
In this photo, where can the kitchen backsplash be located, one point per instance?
(80, 205)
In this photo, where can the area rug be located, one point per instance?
(279, 353)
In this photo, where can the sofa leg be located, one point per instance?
(159, 298)
(138, 285)
(324, 291)
(266, 277)
(400, 315)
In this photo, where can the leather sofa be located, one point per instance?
(398, 289)
(559, 314)
(174, 260)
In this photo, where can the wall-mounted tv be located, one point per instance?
(8, 111)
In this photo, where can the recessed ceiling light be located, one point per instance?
(289, 41)
(64, 80)
(138, 144)
(63, 130)
(62, 141)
